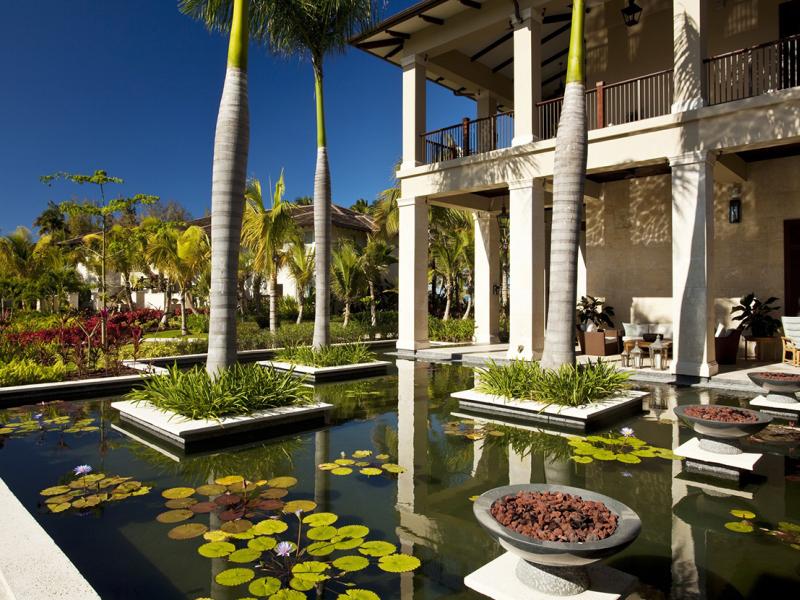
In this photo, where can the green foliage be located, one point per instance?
(88, 490)
(328, 356)
(755, 314)
(237, 390)
(452, 330)
(593, 310)
(24, 371)
(197, 323)
(288, 308)
(163, 349)
(569, 385)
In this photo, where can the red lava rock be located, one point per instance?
(777, 376)
(724, 414)
(555, 517)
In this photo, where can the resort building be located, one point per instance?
(693, 185)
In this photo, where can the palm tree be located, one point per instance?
(377, 258)
(348, 277)
(229, 176)
(448, 262)
(385, 212)
(568, 184)
(301, 264)
(125, 254)
(314, 29)
(267, 232)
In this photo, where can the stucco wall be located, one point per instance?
(629, 241)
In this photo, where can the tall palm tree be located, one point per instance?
(268, 233)
(348, 277)
(301, 264)
(377, 258)
(385, 212)
(568, 184)
(315, 29)
(448, 262)
(229, 174)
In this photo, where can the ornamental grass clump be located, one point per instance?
(236, 390)
(327, 356)
(569, 385)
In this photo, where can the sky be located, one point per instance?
(133, 87)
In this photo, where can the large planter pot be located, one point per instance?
(721, 437)
(778, 390)
(556, 568)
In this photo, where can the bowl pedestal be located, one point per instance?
(702, 458)
(779, 398)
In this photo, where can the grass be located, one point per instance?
(238, 390)
(452, 330)
(175, 333)
(569, 385)
(329, 356)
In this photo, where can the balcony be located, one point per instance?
(731, 76)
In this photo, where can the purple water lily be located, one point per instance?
(283, 549)
(82, 470)
(626, 432)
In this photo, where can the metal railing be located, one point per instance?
(753, 71)
(471, 136)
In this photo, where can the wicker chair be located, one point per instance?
(791, 340)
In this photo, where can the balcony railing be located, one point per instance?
(753, 71)
(469, 137)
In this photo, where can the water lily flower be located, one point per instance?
(38, 416)
(299, 512)
(626, 432)
(283, 549)
(627, 474)
(82, 470)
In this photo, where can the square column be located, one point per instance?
(527, 76)
(413, 275)
(487, 278)
(526, 269)
(414, 119)
(692, 264)
(689, 49)
(487, 129)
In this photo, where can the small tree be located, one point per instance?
(103, 210)
(378, 257)
(300, 262)
(347, 269)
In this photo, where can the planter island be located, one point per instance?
(337, 373)
(583, 418)
(188, 434)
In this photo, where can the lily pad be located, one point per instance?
(628, 459)
(358, 594)
(393, 468)
(270, 504)
(362, 463)
(215, 536)
(604, 455)
(341, 471)
(743, 514)
(56, 490)
(382, 456)
(320, 519)
(282, 482)
(274, 493)
(180, 503)
(323, 548)
(362, 453)
(371, 471)
(739, 526)
(187, 531)
(233, 577)
(377, 548)
(398, 563)
(344, 461)
(321, 533)
(175, 516)
(269, 527)
(351, 563)
(264, 586)
(211, 489)
(262, 543)
(583, 460)
(327, 466)
(177, 492)
(245, 555)
(239, 526)
(216, 549)
(353, 531)
(295, 505)
(311, 570)
(60, 507)
(229, 480)
(202, 507)
(349, 543)
(287, 594)
(301, 585)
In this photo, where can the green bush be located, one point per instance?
(452, 330)
(288, 308)
(197, 323)
(330, 356)
(23, 322)
(161, 349)
(237, 390)
(21, 372)
(569, 385)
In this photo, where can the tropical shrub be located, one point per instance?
(452, 330)
(328, 356)
(25, 371)
(569, 385)
(288, 308)
(197, 323)
(162, 349)
(236, 390)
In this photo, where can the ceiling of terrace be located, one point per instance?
(469, 43)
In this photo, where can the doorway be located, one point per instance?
(791, 266)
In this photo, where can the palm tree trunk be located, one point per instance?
(257, 292)
(128, 293)
(448, 292)
(465, 316)
(231, 146)
(373, 305)
(568, 183)
(273, 301)
(322, 222)
(299, 307)
(184, 330)
(346, 314)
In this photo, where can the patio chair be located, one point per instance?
(791, 340)
(602, 343)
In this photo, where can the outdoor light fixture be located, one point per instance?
(631, 13)
(735, 210)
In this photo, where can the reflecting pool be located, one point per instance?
(445, 459)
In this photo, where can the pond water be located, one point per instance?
(684, 550)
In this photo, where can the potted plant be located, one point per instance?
(754, 314)
(592, 315)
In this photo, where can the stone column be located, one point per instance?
(487, 129)
(413, 275)
(689, 50)
(692, 264)
(527, 76)
(414, 119)
(526, 266)
(519, 467)
(487, 278)
(412, 430)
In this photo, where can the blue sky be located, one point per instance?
(133, 86)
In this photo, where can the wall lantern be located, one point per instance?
(735, 210)
(632, 13)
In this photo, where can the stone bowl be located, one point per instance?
(720, 429)
(557, 554)
(782, 391)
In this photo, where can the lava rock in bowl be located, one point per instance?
(558, 567)
(780, 387)
(722, 424)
